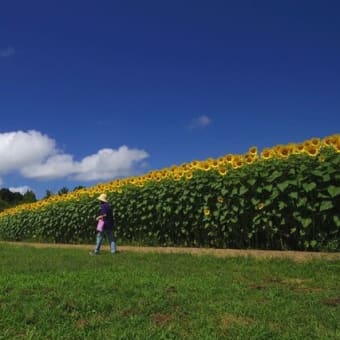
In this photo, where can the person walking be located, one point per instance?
(106, 214)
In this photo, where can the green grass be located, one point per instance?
(67, 294)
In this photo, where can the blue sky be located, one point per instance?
(95, 90)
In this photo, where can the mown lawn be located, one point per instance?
(67, 294)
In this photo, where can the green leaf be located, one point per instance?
(243, 190)
(336, 220)
(251, 181)
(282, 205)
(224, 192)
(306, 222)
(283, 186)
(293, 194)
(333, 190)
(268, 188)
(313, 243)
(274, 176)
(309, 186)
(326, 205)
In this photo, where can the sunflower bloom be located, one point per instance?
(337, 146)
(327, 141)
(222, 170)
(250, 158)
(205, 166)
(220, 199)
(283, 152)
(266, 153)
(237, 162)
(214, 163)
(206, 211)
(195, 164)
(253, 150)
(188, 175)
(312, 150)
(315, 142)
(260, 206)
(221, 161)
(229, 158)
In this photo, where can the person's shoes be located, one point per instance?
(93, 253)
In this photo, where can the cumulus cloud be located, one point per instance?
(7, 52)
(200, 122)
(19, 149)
(22, 189)
(36, 156)
(108, 161)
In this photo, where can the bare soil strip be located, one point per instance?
(298, 256)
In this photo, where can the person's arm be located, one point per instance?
(100, 217)
(102, 213)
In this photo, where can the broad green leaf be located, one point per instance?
(274, 176)
(283, 186)
(251, 181)
(282, 205)
(306, 222)
(326, 205)
(313, 243)
(309, 186)
(243, 190)
(268, 188)
(333, 191)
(293, 194)
(336, 220)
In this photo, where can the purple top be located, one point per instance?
(105, 209)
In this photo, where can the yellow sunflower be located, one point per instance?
(253, 150)
(206, 211)
(283, 151)
(312, 150)
(237, 162)
(266, 153)
(205, 166)
(222, 170)
(229, 158)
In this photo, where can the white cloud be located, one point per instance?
(36, 156)
(200, 122)
(56, 166)
(22, 189)
(19, 149)
(7, 52)
(108, 163)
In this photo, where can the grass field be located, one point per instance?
(67, 294)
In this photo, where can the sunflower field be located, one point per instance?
(284, 197)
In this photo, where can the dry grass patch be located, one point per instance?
(228, 320)
(160, 319)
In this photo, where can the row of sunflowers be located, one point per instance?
(310, 147)
(285, 197)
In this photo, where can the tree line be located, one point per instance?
(9, 199)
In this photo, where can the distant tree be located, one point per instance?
(11, 199)
(3, 205)
(63, 191)
(29, 197)
(48, 194)
(78, 187)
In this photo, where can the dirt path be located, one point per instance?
(298, 256)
